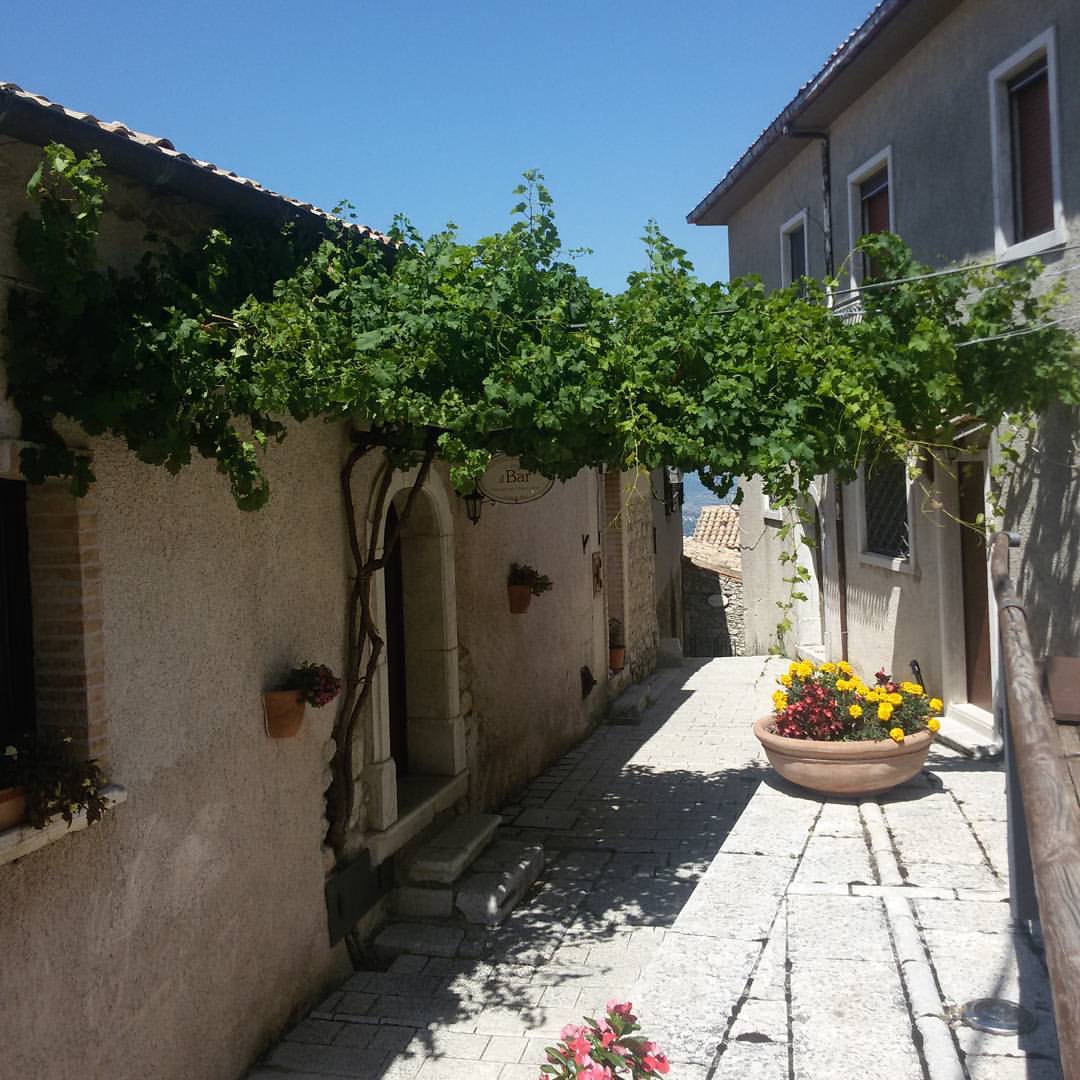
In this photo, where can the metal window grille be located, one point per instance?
(885, 485)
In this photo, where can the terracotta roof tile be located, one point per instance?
(718, 527)
(157, 144)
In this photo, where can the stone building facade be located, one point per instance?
(714, 618)
(177, 937)
(926, 122)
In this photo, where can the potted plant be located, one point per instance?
(832, 733)
(41, 779)
(522, 584)
(308, 684)
(616, 645)
(606, 1049)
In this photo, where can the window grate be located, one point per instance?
(885, 485)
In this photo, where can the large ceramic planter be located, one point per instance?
(12, 807)
(520, 596)
(846, 769)
(283, 713)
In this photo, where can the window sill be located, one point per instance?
(884, 562)
(22, 840)
(1034, 245)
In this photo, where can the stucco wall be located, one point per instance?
(932, 109)
(521, 674)
(177, 937)
(667, 530)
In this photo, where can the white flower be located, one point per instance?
(11, 751)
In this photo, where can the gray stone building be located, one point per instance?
(953, 123)
(712, 585)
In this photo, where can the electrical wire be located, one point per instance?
(1020, 333)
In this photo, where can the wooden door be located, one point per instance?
(393, 577)
(976, 603)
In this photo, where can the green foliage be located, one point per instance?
(500, 345)
(56, 783)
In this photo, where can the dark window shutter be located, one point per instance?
(874, 194)
(885, 486)
(797, 253)
(1033, 187)
(16, 627)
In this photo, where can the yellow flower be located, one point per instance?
(843, 684)
(884, 711)
(804, 669)
(856, 711)
(912, 688)
(785, 679)
(859, 686)
(828, 667)
(897, 734)
(846, 668)
(872, 696)
(936, 704)
(894, 699)
(933, 723)
(779, 699)
(793, 667)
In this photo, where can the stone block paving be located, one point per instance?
(762, 933)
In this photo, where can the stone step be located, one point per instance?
(500, 878)
(423, 939)
(424, 901)
(445, 858)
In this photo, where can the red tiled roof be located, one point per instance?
(718, 527)
(106, 132)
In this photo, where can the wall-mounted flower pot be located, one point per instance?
(617, 657)
(12, 807)
(283, 713)
(520, 598)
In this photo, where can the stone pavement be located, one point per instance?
(761, 933)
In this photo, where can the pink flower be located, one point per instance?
(655, 1063)
(571, 1031)
(595, 1072)
(580, 1046)
(620, 1008)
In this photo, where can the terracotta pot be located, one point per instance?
(617, 657)
(12, 807)
(520, 598)
(844, 768)
(283, 713)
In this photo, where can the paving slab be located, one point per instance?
(762, 932)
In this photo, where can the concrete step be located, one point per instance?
(500, 878)
(445, 858)
(970, 730)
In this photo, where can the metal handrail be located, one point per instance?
(1049, 808)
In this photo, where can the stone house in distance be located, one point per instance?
(712, 585)
(956, 124)
(178, 937)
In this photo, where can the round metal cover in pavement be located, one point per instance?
(997, 1016)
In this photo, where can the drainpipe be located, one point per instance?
(830, 270)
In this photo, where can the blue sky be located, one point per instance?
(632, 108)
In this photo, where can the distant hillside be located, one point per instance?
(695, 496)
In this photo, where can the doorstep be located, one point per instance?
(420, 800)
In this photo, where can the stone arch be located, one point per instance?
(434, 725)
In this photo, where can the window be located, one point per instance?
(1028, 215)
(793, 252)
(870, 207)
(885, 510)
(16, 626)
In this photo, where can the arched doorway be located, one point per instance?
(416, 735)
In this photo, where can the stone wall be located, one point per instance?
(713, 612)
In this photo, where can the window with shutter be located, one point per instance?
(1032, 160)
(874, 200)
(886, 509)
(1025, 145)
